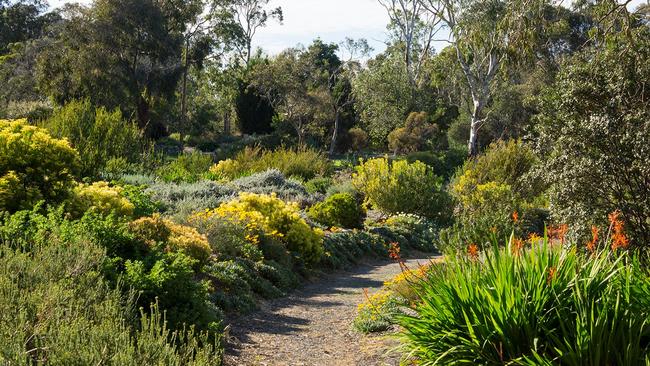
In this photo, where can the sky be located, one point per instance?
(305, 20)
(331, 20)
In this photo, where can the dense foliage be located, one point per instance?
(33, 166)
(338, 210)
(402, 187)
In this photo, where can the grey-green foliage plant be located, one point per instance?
(546, 305)
(593, 131)
(99, 135)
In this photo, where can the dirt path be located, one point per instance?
(313, 326)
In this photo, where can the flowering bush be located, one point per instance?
(33, 166)
(275, 218)
(101, 198)
(402, 187)
(338, 210)
(156, 230)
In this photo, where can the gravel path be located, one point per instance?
(313, 325)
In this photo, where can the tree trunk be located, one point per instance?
(184, 90)
(472, 145)
(335, 134)
(226, 123)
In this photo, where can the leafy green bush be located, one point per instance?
(33, 166)
(318, 185)
(444, 163)
(189, 168)
(228, 239)
(54, 265)
(544, 305)
(101, 198)
(496, 185)
(345, 248)
(339, 210)
(357, 139)
(593, 137)
(414, 135)
(97, 134)
(402, 187)
(303, 163)
(276, 219)
(143, 204)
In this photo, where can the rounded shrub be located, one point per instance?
(338, 210)
(401, 187)
(101, 198)
(34, 166)
(276, 219)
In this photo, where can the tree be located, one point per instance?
(245, 18)
(119, 53)
(414, 29)
(483, 32)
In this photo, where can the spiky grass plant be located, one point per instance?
(543, 305)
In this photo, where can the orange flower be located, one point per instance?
(515, 217)
(394, 251)
(517, 246)
(558, 232)
(591, 246)
(472, 251)
(617, 227)
(551, 275)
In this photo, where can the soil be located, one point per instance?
(313, 325)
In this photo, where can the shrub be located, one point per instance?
(189, 168)
(33, 166)
(303, 163)
(414, 135)
(377, 312)
(156, 230)
(357, 139)
(593, 137)
(49, 262)
(101, 198)
(401, 187)
(489, 189)
(228, 239)
(318, 185)
(342, 249)
(543, 305)
(273, 181)
(143, 204)
(97, 134)
(183, 199)
(277, 219)
(339, 210)
(444, 163)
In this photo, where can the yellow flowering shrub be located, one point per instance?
(99, 197)
(276, 218)
(154, 229)
(33, 165)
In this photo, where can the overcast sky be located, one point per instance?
(331, 20)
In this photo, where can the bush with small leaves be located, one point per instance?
(402, 187)
(34, 166)
(101, 198)
(189, 168)
(338, 210)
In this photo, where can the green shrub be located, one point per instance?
(377, 313)
(273, 182)
(357, 139)
(339, 210)
(57, 303)
(593, 137)
(101, 198)
(33, 166)
(491, 188)
(402, 187)
(227, 238)
(143, 204)
(189, 168)
(168, 279)
(444, 163)
(97, 134)
(346, 248)
(318, 185)
(544, 305)
(303, 163)
(414, 135)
